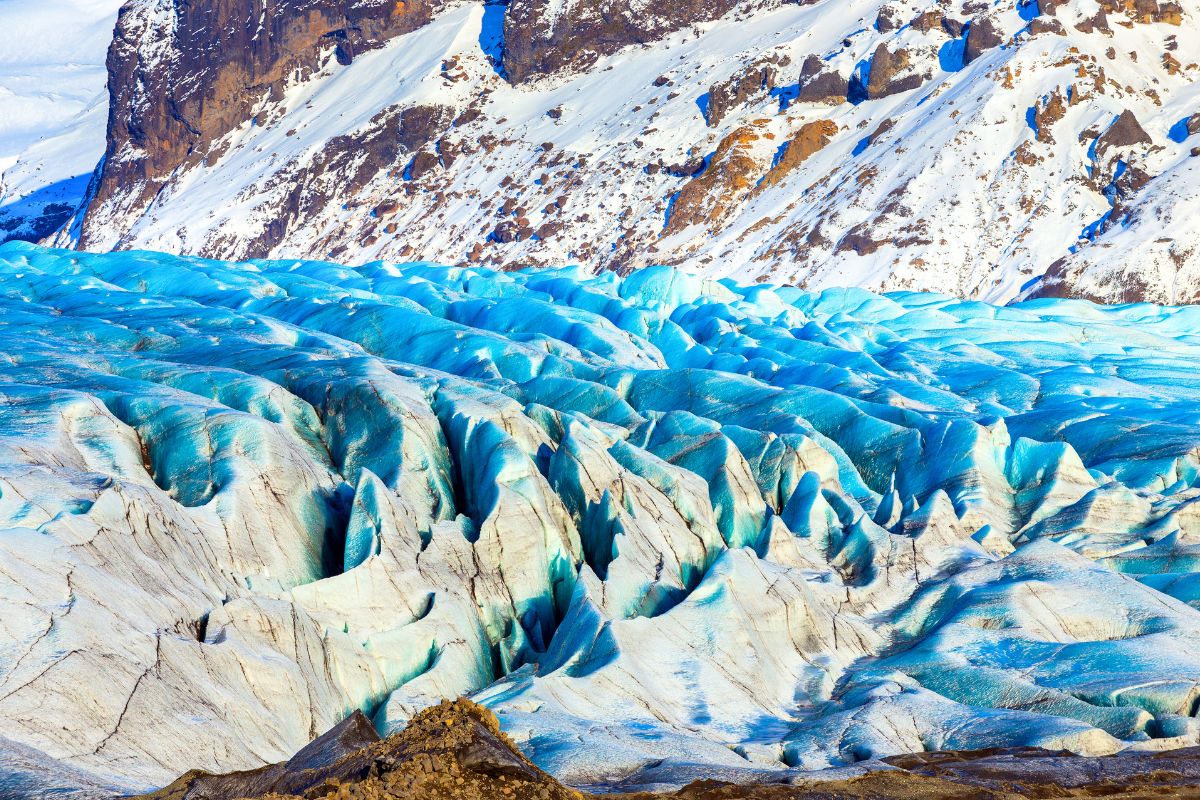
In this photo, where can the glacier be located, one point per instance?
(663, 525)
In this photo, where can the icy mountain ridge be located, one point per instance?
(653, 521)
(961, 147)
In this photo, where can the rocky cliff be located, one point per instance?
(182, 75)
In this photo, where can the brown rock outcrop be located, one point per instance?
(983, 35)
(1047, 112)
(811, 138)
(1096, 22)
(753, 82)
(537, 42)
(821, 85)
(1041, 26)
(1125, 132)
(451, 751)
(893, 72)
(708, 197)
(1145, 11)
(1193, 124)
(890, 18)
(928, 21)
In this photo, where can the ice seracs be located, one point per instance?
(653, 518)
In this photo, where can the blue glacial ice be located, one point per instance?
(660, 524)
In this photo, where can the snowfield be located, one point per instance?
(660, 524)
(53, 107)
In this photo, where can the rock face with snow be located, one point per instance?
(967, 148)
(544, 37)
(659, 524)
(1151, 254)
(183, 75)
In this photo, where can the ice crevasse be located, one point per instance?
(660, 524)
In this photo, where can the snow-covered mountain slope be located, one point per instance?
(963, 147)
(1152, 252)
(53, 109)
(652, 521)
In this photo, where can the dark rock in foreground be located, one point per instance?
(452, 750)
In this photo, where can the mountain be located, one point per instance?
(664, 527)
(52, 109)
(954, 146)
